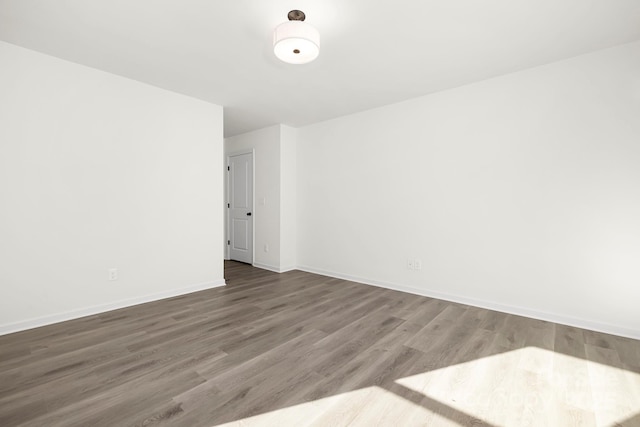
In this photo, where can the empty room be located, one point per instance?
(319, 213)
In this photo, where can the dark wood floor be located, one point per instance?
(303, 349)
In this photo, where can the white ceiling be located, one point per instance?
(372, 52)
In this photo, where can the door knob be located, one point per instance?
(248, 213)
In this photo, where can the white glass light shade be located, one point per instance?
(296, 42)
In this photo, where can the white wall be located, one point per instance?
(98, 171)
(288, 193)
(265, 144)
(520, 193)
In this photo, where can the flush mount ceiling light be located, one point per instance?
(296, 42)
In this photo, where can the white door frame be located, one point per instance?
(227, 251)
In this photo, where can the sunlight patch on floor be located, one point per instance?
(525, 387)
(364, 407)
(533, 386)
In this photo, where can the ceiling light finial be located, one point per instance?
(296, 42)
(296, 15)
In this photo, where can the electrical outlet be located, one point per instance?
(266, 247)
(113, 274)
(411, 263)
(417, 264)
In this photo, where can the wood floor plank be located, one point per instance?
(300, 349)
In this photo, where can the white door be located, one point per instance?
(240, 207)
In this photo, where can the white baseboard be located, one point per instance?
(290, 268)
(273, 267)
(519, 311)
(97, 309)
